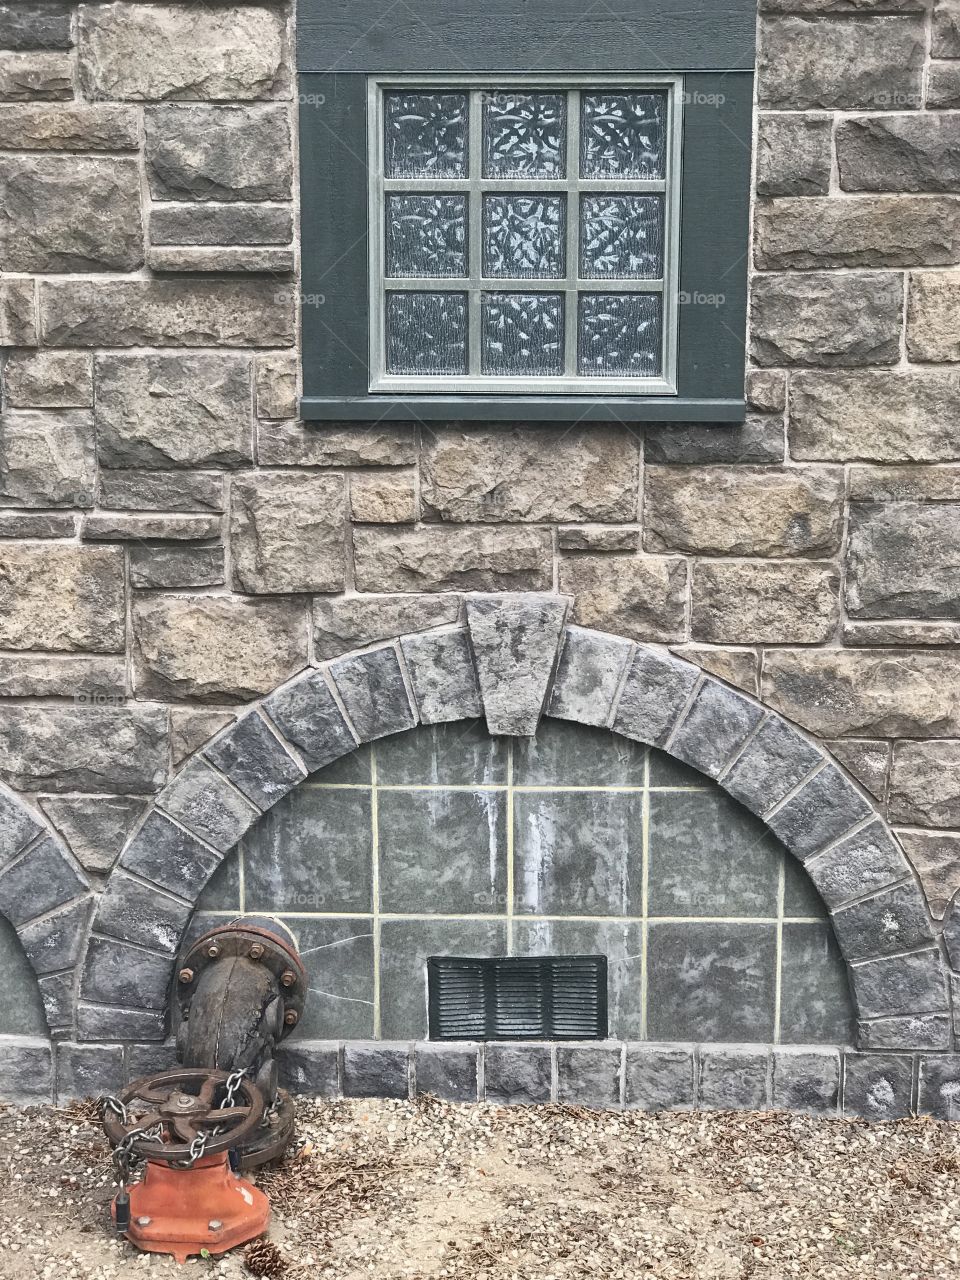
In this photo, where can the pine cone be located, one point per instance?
(263, 1258)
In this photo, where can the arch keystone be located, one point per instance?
(515, 639)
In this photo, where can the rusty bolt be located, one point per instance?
(291, 1018)
(186, 975)
(213, 951)
(287, 978)
(256, 951)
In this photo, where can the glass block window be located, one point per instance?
(524, 236)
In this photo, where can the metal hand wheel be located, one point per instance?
(183, 1107)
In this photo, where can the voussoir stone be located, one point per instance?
(219, 153)
(866, 692)
(654, 694)
(442, 674)
(901, 986)
(449, 559)
(892, 921)
(166, 313)
(643, 597)
(134, 912)
(879, 416)
(79, 748)
(865, 862)
(373, 692)
(172, 51)
(207, 804)
(174, 410)
(588, 677)
(307, 714)
(515, 640)
(765, 602)
(216, 648)
(903, 560)
(47, 458)
(822, 318)
(61, 598)
(804, 62)
(743, 511)
(933, 315)
(714, 728)
(530, 473)
(255, 761)
(70, 213)
(914, 152)
(869, 231)
(68, 127)
(793, 155)
(287, 533)
(349, 622)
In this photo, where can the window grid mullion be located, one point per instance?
(474, 230)
(570, 305)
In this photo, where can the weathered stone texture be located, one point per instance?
(918, 152)
(47, 458)
(869, 762)
(276, 385)
(219, 153)
(743, 511)
(530, 474)
(766, 602)
(826, 319)
(221, 224)
(35, 26)
(739, 667)
(18, 313)
(515, 640)
(233, 260)
(925, 784)
(171, 51)
(445, 559)
(876, 416)
(943, 84)
(64, 598)
(161, 490)
(903, 560)
(68, 127)
(803, 62)
(793, 155)
(73, 675)
(300, 444)
(866, 693)
(350, 622)
(174, 410)
(70, 213)
(214, 648)
(638, 596)
(871, 231)
(166, 313)
(287, 533)
(759, 439)
(91, 749)
(48, 380)
(933, 317)
(35, 77)
(160, 568)
(383, 497)
(935, 856)
(95, 827)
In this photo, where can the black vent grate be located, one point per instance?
(517, 998)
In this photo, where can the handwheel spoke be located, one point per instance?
(185, 1129)
(225, 1115)
(206, 1093)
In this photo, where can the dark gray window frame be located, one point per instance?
(711, 44)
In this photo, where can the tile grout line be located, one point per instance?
(375, 887)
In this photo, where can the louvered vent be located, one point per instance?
(518, 998)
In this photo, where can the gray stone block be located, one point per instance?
(18, 825)
(807, 1081)
(514, 639)
(83, 748)
(863, 863)
(153, 567)
(54, 942)
(951, 933)
(906, 985)
(826, 318)
(311, 1066)
(135, 912)
(116, 973)
(41, 879)
(715, 728)
(208, 805)
(906, 1031)
(939, 1087)
(149, 1059)
(224, 224)
(659, 1077)
(58, 996)
(287, 533)
(112, 1022)
(733, 1080)
(444, 679)
(376, 1070)
(88, 1070)
(170, 857)
(517, 1073)
(892, 921)
(654, 694)
(877, 1086)
(589, 1076)
(588, 676)
(35, 26)
(201, 152)
(447, 1071)
(824, 809)
(794, 155)
(760, 439)
(26, 1069)
(255, 761)
(374, 694)
(307, 714)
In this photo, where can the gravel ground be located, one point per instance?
(395, 1189)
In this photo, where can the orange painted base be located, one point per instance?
(171, 1210)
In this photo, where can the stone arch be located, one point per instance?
(46, 896)
(512, 660)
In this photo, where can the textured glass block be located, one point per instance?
(425, 135)
(524, 135)
(522, 333)
(623, 135)
(426, 235)
(524, 236)
(426, 333)
(621, 237)
(620, 335)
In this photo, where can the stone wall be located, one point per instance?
(174, 543)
